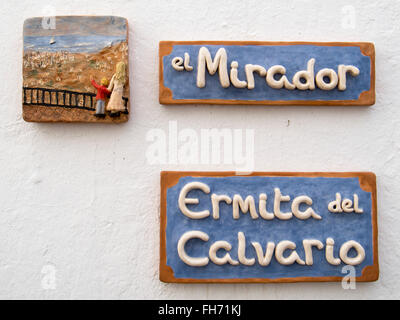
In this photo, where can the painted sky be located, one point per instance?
(83, 26)
(74, 34)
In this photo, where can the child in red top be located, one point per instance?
(102, 94)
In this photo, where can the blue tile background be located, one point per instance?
(293, 57)
(341, 227)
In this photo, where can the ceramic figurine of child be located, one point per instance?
(116, 104)
(102, 94)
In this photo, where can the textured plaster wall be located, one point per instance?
(80, 202)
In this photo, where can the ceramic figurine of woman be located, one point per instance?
(116, 104)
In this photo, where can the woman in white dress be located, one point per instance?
(116, 104)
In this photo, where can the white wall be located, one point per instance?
(83, 200)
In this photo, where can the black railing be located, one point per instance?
(62, 98)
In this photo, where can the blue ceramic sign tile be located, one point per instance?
(186, 64)
(320, 210)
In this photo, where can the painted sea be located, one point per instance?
(71, 43)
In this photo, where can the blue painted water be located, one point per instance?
(71, 43)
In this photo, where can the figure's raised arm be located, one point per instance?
(94, 84)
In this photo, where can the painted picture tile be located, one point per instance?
(75, 69)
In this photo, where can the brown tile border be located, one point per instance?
(171, 178)
(366, 98)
